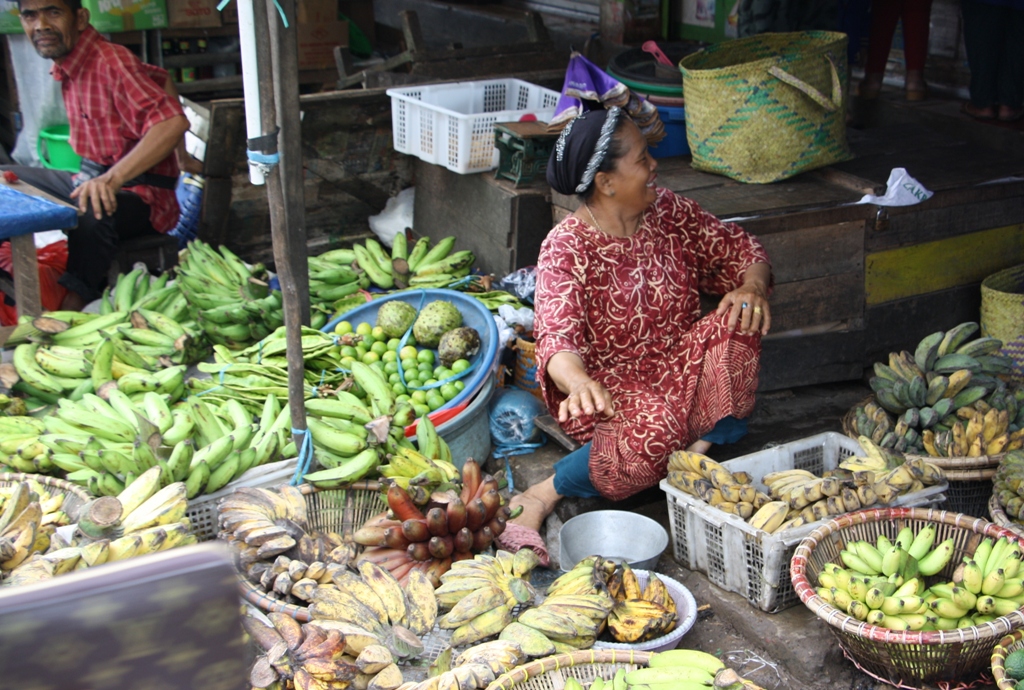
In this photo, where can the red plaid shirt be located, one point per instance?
(112, 99)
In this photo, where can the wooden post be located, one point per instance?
(279, 107)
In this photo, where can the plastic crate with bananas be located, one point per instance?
(792, 487)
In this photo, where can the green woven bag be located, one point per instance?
(765, 108)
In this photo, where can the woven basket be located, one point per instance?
(1008, 644)
(329, 510)
(1000, 517)
(74, 496)
(585, 666)
(908, 659)
(767, 107)
(1002, 314)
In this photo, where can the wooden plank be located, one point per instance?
(816, 252)
(811, 359)
(933, 266)
(784, 222)
(935, 222)
(797, 193)
(25, 269)
(818, 301)
(900, 324)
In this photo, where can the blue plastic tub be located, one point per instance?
(674, 144)
(474, 315)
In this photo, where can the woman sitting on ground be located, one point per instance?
(625, 361)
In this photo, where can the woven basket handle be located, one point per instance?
(830, 104)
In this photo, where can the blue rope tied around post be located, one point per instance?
(305, 458)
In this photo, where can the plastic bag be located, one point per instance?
(900, 190)
(53, 260)
(522, 283)
(396, 216)
(517, 317)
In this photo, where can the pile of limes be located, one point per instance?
(419, 366)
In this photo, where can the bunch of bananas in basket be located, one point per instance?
(473, 669)
(925, 400)
(142, 519)
(1008, 484)
(422, 266)
(231, 302)
(481, 592)
(309, 656)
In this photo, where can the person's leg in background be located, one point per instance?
(916, 21)
(93, 244)
(1010, 79)
(982, 40)
(884, 16)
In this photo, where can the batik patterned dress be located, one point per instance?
(630, 308)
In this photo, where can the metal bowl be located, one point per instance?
(632, 538)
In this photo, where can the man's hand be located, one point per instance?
(100, 192)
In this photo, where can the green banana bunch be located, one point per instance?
(884, 583)
(331, 281)
(230, 301)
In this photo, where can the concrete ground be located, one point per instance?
(789, 649)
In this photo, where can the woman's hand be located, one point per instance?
(586, 398)
(748, 308)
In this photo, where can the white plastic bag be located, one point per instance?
(517, 317)
(900, 190)
(395, 218)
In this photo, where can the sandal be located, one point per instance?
(516, 536)
(977, 113)
(1010, 114)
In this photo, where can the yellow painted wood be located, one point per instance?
(932, 266)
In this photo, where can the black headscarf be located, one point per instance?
(580, 150)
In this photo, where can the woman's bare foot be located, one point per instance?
(538, 501)
(700, 446)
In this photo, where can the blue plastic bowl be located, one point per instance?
(474, 314)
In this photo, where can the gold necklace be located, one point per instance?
(594, 218)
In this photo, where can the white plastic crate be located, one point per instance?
(453, 124)
(757, 565)
(202, 510)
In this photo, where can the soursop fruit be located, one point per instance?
(435, 320)
(395, 317)
(458, 343)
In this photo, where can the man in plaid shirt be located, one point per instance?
(125, 122)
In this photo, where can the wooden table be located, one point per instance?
(23, 249)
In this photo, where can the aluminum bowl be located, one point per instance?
(632, 538)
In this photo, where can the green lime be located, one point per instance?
(390, 356)
(442, 373)
(429, 382)
(435, 401)
(402, 397)
(426, 367)
(393, 378)
(393, 344)
(448, 391)
(398, 388)
(459, 384)
(343, 327)
(370, 358)
(410, 365)
(421, 409)
(379, 347)
(346, 362)
(379, 334)
(408, 352)
(361, 349)
(348, 351)
(460, 365)
(426, 357)
(364, 329)
(389, 367)
(418, 397)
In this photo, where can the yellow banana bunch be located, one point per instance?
(309, 656)
(639, 613)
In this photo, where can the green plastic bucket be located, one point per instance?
(54, 150)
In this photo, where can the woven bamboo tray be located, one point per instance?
(329, 510)
(74, 496)
(1008, 644)
(906, 659)
(1000, 517)
(585, 666)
